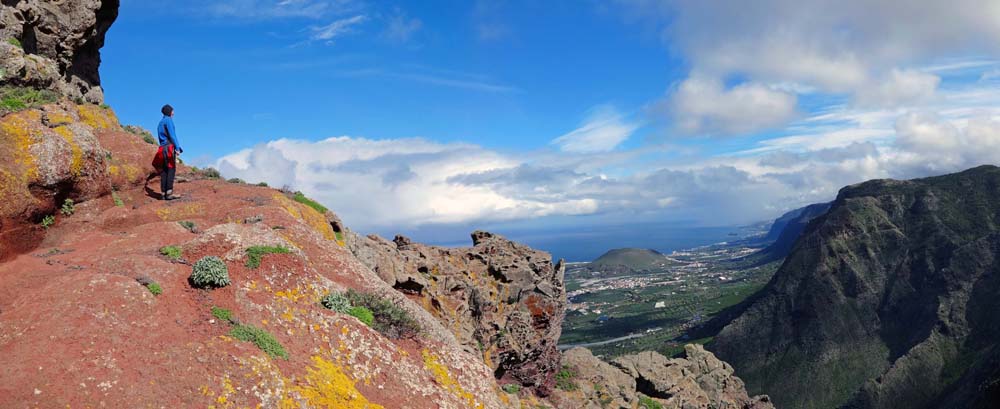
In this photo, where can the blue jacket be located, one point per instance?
(165, 130)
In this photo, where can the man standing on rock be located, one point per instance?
(169, 148)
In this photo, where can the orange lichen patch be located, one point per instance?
(97, 117)
(293, 295)
(16, 132)
(172, 214)
(308, 215)
(76, 165)
(443, 377)
(130, 172)
(224, 398)
(58, 118)
(327, 386)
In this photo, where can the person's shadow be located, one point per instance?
(150, 192)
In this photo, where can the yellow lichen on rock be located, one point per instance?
(168, 214)
(327, 386)
(310, 216)
(17, 133)
(97, 117)
(56, 118)
(443, 377)
(76, 165)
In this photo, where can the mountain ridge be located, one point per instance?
(893, 280)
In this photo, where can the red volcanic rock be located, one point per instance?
(52, 154)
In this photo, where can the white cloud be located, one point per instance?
(336, 29)
(603, 130)
(400, 28)
(271, 9)
(402, 182)
(863, 49)
(901, 87)
(703, 105)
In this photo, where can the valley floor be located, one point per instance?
(614, 315)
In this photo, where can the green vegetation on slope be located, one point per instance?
(873, 285)
(13, 99)
(301, 198)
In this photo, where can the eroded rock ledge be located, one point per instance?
(503, 299)
(697, 381)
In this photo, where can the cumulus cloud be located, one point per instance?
(704, 105)
(603, 130)
(386, 184)
(858, 48)
(401, 182)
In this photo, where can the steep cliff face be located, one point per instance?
(791, 226)
(59, 45)
(888, 300)
(500, 298)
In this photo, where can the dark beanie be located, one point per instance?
(167, 110)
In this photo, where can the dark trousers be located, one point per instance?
(167, 175)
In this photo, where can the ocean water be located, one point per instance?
(581, 242)
(586, 245)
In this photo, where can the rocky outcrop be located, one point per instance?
(500, 298)
(57, 46)
(55, 153)
(696, 381)
(888, 300)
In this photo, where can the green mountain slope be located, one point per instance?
(889, 300)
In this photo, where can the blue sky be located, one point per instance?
(433, 118)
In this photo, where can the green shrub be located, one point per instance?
(255, 253)
(222, 314)
(209, 272)
(210, 173)
(511, 388)
(13, 99)
(264, 340)
(363, 314)
(14, 42)
(390, 319)
(140, 131)
(173, 252)
(564, 379)
(118, 200)
(105, 106)
(188, 225)
(337, 302)
(301, 198)
(262, 184)
(48, 221)
(237, 180)
(154, 288)
(67, 208)
(645, 402)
